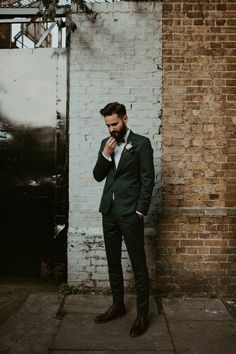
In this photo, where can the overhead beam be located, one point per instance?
(7, 12)
(26, 20)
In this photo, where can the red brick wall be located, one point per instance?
(197, 226)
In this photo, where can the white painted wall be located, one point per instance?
(33, 86)
(115, 58)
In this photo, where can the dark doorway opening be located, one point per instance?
(33, 195)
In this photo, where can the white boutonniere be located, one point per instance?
(128, 146)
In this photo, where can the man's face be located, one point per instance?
(116, 125)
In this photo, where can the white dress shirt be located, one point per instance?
(119, 149)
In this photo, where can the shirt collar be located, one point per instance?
(126, 135)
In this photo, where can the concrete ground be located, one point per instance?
(35, 318)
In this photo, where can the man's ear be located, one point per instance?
(125, 118)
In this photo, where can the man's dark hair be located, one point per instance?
(114, 107)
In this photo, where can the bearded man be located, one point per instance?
(125, 159)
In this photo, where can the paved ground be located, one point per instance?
(35, 318)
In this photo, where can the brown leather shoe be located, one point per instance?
(139, 326)
(113, 312)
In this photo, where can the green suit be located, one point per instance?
(128, 189)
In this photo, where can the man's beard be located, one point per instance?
(120, 134)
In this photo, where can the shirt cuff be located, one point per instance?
(138, 212)
(107, 157)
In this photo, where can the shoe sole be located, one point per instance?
(113, 318)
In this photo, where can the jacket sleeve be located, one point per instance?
(147, 176)
(102, 165)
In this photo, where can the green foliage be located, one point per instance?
(51, 6)
(50, 10)
(84, 7)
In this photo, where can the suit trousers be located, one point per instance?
(131, 227)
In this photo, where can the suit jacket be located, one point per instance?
(133, 180)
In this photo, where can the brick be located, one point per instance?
(190, 258)
(216, 258)
(221, 7)
(231, 22)
(167, 7)
(228, 166)
(191, 242)
(192, 250)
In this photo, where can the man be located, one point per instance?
(125, 159)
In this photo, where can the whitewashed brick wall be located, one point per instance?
(115, 58)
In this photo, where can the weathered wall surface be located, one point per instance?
(116, 57)
(196, 242)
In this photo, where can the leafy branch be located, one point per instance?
(51, 6)
(50, 9)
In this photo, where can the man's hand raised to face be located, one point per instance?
(110, 146)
